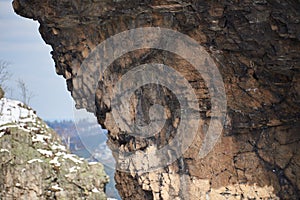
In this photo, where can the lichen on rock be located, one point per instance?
(35, 164)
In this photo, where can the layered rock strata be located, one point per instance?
(255, 46)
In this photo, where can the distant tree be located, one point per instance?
(26, 94)
(4, 73)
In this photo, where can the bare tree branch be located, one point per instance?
(26, 94)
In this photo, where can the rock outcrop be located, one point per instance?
(255, 46)
(35, 165)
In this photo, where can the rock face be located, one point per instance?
(255, 46)
(34, 164)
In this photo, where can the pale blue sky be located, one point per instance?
(30, 58)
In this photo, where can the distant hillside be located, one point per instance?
(35, 165)
(89, 139)
(68, 132)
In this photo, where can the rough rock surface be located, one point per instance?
(35, 165)
(255, 45)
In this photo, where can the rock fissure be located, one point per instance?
(284, 181)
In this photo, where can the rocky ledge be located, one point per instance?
(255, 46)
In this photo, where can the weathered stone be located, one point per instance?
(256, 48)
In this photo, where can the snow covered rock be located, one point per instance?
(35, 165)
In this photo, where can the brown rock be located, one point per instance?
(256, 48)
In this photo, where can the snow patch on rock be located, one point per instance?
(35, 160)
(45, 152)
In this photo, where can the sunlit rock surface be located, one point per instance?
(255, 45)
